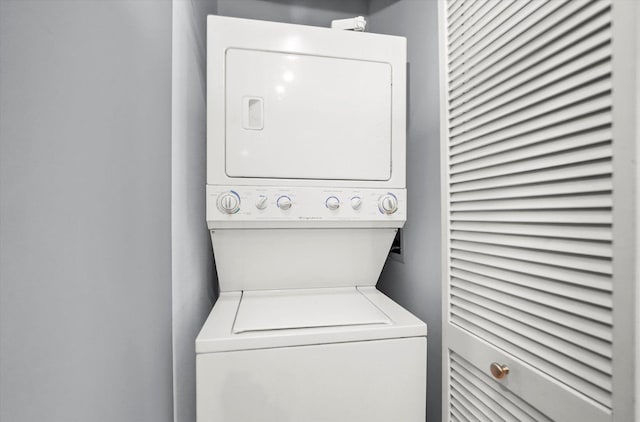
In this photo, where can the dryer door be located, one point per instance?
(297, 116)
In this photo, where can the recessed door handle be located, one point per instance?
(252, 113)
(499, 371)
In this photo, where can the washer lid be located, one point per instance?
(301, 308)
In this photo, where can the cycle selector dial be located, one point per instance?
(284, 202)
(356, 203)
(261, 202)
(332, 203)
(388, 204)
(229, 202)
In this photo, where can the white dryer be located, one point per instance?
(305, 192)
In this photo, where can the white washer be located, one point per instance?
(330, 354)
(305, 193)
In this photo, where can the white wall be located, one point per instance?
(415, 283)
(85, 252)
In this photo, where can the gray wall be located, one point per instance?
(303, 12)
(415, 283)
(192, 256)
(85, 246)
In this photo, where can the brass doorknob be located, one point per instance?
(499, 371)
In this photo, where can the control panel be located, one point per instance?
(303, 204)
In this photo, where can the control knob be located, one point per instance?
(388, 204)
(229, 202)
(261, 202)
(332, 203)
(356, 202)
(284, 202)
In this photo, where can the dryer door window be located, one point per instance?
(296, 116)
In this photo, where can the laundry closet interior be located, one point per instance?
(230, 210)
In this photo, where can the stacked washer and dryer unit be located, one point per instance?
(305, 193)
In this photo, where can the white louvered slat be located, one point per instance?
(568, 275)
(587, 348)
(524, 127)
(521, 80)
(475, 272)
(531, 299)
(453, 5)
(484, 24)
(485, 13)
(588, 169)
(500, 83)
(495, 121)
(577, 201)
(460, 13)
(461, 410)
(520, 410)
(492, 30)
(505, 412)
(507, 62)
(567, 158)
(529, 182)
(594, 232)
(591, 367)
(554, 321)
(480, 409)
(541, 189)
(489, 407)
(529, 68)
(592, 383)
(455, 416)
(515, 88)
(580, 293)
(576, 126)
(576, 262)
(495, 30)
(468, 16)
(552, 244)
(579, 140)
(469, 403)
(551, 217)
(517, 100)
(478, 24)
(500, 29)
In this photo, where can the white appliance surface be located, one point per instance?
(306, 145)
(363, 381)
(356, 373)
(218, 334)
(260, 206)
(305, 308)
(271, 259)
(300, 116)
(295, 105)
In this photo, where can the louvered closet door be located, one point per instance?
(528, 206)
